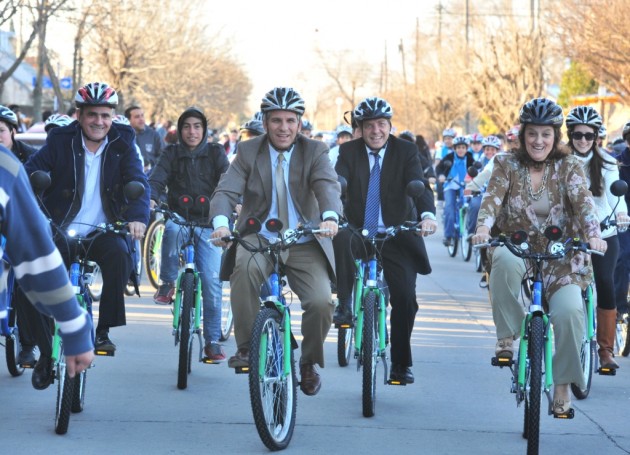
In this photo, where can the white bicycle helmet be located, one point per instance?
(283, 99)
(8, 116)
(449, 132)
(492, 141)
(56, 120)
(460, 140)
(96, 94)
(372, 108)
(583, 115)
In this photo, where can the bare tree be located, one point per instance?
(594, 33)
(165, 64)
(505, 71)
(8, 9)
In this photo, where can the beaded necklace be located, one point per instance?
(536, 195)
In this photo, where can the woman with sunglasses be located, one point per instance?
(583, 124)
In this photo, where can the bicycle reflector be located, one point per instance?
(553, 233)
(518, 237)
(273, 225)
(253, 224)
(185, 201)
(202, 203)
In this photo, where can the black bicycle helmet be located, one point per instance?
(372, 108)
(541, 111)
(283, 99)
(254, 126)
(7, 115)
(96, 94)
(584, 115)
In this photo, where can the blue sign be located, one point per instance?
(65, 82)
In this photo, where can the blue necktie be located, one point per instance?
(373, 197)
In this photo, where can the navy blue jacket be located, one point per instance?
(63, 157)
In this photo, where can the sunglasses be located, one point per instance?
(577, 136)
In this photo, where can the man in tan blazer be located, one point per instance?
(312, 198)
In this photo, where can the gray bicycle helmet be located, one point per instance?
(8, 116)
(96, 94)
(459, 140)
(372, 108)
(253, 126)
(584, 115)
(283, 99)
(603, 132)
(541, 111)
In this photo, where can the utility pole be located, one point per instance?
(467, 117)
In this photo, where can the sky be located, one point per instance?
(275, 40)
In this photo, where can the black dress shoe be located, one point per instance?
(42, 373)
(103, 343)
(401, 374)
(343, 314)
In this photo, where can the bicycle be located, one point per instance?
(272, 377)
(152, 249)
(187, 309)
(532, 371)
(369, 331)
(71, 391)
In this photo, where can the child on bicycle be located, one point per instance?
(452, 172)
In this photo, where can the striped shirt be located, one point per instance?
(37, 264)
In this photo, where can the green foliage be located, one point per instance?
(576, 80)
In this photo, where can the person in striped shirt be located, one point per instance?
(37, 264)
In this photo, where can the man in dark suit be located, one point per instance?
(403, 256)
(311, 194)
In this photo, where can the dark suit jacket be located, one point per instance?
(312, 183)
(400, 165)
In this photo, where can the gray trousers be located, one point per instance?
(566, 311)
(307, 275)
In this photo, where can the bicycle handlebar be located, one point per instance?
(392, 231)
(558, 249)
(281, 243)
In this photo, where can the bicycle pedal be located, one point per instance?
(241, 370)
(607, 371)
(393, 382)
(28, 365)
(567, 415)
(104, 352)
(210, 361)
(502, 362)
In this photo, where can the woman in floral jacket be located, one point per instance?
(539, 185)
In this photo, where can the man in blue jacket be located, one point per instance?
(89, 163)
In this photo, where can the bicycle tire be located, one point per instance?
(587, 360)
(466, 249)
(78, 392)
(626, 348)
(96, 288)
(533, 392)
(227, 319)
(64, 399)
(187, 305)
(130, 288)
(152, 252)
(345, 337)
(273, 396)
(478, 261)
(452, 247)
(369, 354)
(13, 347)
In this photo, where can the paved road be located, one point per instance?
(459, 403)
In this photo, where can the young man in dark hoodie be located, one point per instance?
(192, 167)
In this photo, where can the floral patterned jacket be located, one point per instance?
(506, 207)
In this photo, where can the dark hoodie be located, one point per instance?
(190, 172)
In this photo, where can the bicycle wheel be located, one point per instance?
(466, 249)
(273, 394)
(13, 347)
(187, 306)
(345, 337)
(130, 289)
(533, 384)
(78, 392)
(227, 320)
(452, 247)
(64, 399)
(369, 354)
(96, 288)
(153, 252)
(478, 261)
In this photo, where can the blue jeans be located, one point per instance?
(207, 261)
(450, 207)
(473, 210)
(621, 272)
